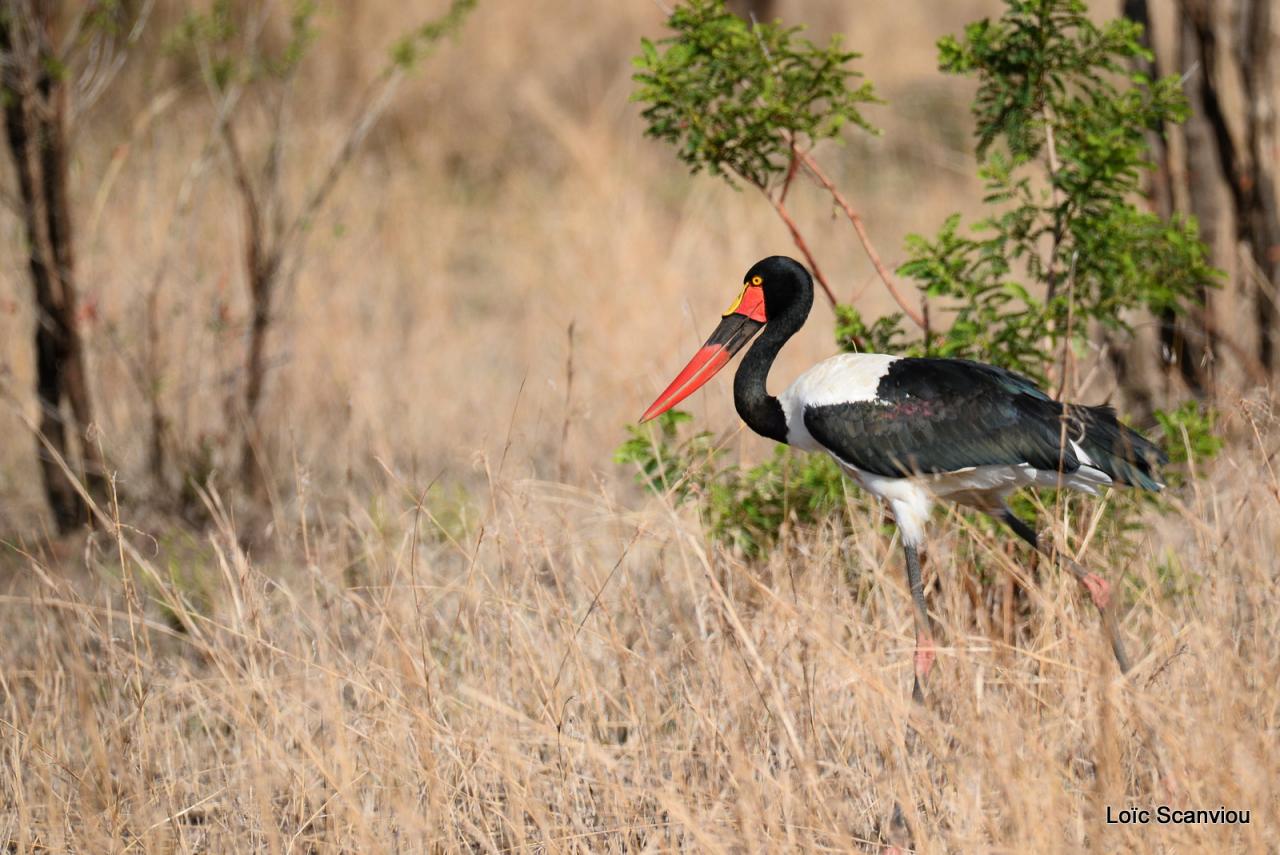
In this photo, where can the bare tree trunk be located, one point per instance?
(1132, 378)
(1190, 345)
(1250, 183)
(261, 287)
(262, 266)
(1263, 226)
(1159, 182)
(36, 111)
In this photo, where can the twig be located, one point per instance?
(377, 99)
(106, 58)
(1066, 338)
(1051, 151)
(791, 174)
(244, 186)
(568, 406)
(804, 248)
(158, 105)
(779, 205)
(914, 314)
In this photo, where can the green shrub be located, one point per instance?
(732, 98)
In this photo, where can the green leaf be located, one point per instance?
(732, 98)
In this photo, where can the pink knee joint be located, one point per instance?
(924, 655)
(1099, 589)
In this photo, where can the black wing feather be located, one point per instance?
(940, 415)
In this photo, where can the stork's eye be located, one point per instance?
(757, 280)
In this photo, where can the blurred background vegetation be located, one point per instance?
(316, 234)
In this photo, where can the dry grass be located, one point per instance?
(570, 675)
(533, 656)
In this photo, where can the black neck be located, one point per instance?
(761, 411)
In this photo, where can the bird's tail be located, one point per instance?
(1121, 452)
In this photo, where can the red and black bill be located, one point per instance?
(743, 319)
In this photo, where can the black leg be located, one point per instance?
(897, 836)
(1021, 529)
(1099, 588)
(924, 639)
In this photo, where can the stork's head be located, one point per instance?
(772, 285)
(781, 281)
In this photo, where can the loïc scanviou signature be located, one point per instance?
(1165, 815)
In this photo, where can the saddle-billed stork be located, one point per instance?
(912, 430)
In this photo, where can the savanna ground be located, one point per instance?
(456, 625)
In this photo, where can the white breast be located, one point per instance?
(846, 378)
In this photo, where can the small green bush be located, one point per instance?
(732, 98)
